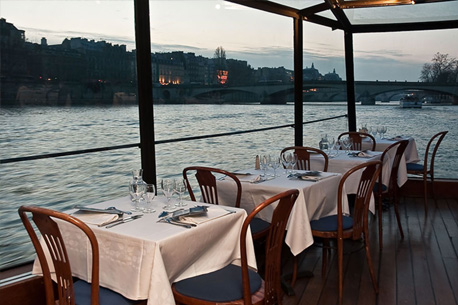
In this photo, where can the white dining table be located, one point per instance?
(142, 258)
(410, 154)
(315, 200)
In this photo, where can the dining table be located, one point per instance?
(140, 259)
(410, 154)
(317, 198)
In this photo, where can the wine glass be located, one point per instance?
(149, 196)
(136, 191)
(293, 161)
(275, 164)
(180, 189)
(286, 160)
(167, 187)
(264, 162)
(383, 130)
(331, 143)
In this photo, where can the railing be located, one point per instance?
(84, 151)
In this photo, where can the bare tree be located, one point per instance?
(441, 69)
(220, 58)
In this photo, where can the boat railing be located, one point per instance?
(107, 148)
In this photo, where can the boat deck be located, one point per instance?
(421, 269)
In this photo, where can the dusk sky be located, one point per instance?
(262, 39)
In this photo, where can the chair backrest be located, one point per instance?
(357, 138)
(53, 241)
(274, 243)
(400, 148)
(303, 156)
(207, 183)
(434, 141)
(370, 173)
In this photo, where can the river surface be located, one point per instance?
(62, 182)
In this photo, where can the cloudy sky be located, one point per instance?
(262, 39)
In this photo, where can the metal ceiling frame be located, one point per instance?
(309, 14)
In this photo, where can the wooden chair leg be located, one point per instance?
(380, 227)
(425, 186)
(369, 261)
(340, 267)
(398, 218)
(324, 258)
(294, 276)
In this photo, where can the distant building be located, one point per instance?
(311, 73)
(332, 76)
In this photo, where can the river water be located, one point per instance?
(85, 179)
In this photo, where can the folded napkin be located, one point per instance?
(362, 154)
(212, 213)
(99, 219)
(250, 178)
(307, 176)
(398, 138)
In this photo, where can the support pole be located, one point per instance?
(350, 72)
(145, 90)
(298, 80)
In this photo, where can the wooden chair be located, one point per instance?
(235, 284)
(342, 227)
(391, 190)
(207, 182)
(423, 170)
(303, 156)
(68, 292)
(357, 138)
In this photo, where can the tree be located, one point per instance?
(441, 69)
(220, 65)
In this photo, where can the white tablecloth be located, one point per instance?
(410, 154)
(315, 200)
(140, 259)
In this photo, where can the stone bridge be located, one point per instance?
(367, 92)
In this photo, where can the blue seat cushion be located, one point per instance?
(223, 285)
(414, 167)
(106, 296)
(258, 225)
(329, 223)
(376, 186)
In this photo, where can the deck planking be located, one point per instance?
(422, 269)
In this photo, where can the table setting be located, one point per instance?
(317, 198)
(142, 252)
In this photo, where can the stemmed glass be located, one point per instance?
(331, 143)
(136, 192)
(347, 144)
(149, 196)
(383, 130)
(264, 162)
(167, 187)
(293, 161)
(180, 189)
(286, 160)
(275, 164)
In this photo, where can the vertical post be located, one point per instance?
(298, 82)
(350, 72)
(145, 90)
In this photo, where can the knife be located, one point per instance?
(120, 221)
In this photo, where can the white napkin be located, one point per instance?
(363, 154)
(250, 178)
(212, 213)
(99, 219)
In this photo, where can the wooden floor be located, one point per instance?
(421, 269)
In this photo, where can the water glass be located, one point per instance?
(136, 192)
(264, 162)
(167, 187)
(286, 160)
(275, 163)
(149, 196)
(180, 189)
